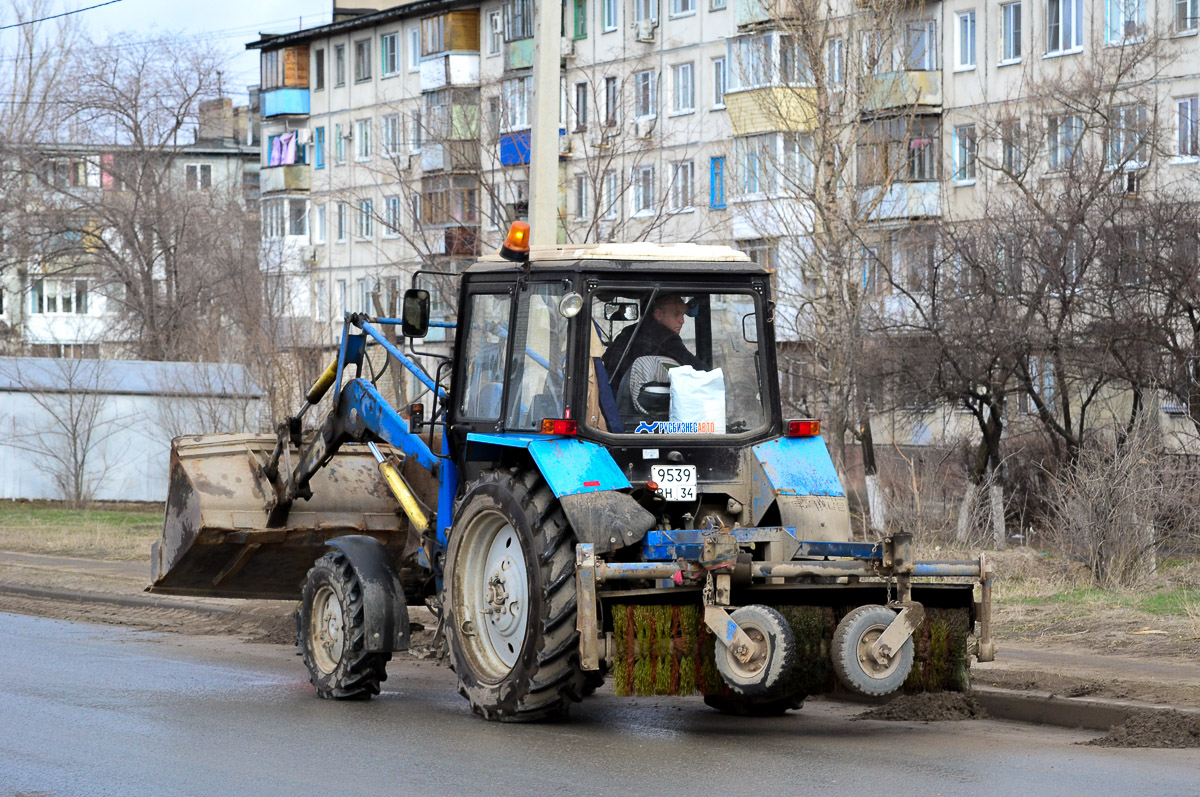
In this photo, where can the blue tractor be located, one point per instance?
(603, 483)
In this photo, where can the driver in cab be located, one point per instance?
(657, 335)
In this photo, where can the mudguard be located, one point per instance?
(797, 475)
(385, 612)
(587, 482)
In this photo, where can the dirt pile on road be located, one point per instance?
(928, 707)
(1172, 729)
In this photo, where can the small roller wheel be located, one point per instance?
(853, 663)
(770, 661)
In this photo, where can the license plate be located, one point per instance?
(675, 482)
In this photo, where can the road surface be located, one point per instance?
(88, 709)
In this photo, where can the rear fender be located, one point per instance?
(797, 475)
(586, 480)
(385, 613)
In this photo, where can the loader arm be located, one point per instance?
(362, 415)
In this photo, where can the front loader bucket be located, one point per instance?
(215, 538)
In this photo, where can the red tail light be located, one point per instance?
(559, 426)
(803, 428)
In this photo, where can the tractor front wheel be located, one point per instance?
(332, 633)
(510, 600)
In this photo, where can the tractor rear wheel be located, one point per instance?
(510, 599)
(332, 633)
(763, 706)
(853, 663)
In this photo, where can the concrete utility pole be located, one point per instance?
(543, 156)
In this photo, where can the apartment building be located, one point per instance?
(398, 139)
(55, 300)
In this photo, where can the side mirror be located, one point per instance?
(414, 318)
(750, 327)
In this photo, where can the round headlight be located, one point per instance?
(570, 305)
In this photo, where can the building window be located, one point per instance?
(362, 60)
(582, 191)
(644, 94)
(341, 289)
(964, 153)
(433, 35)
(682, 178)
(199, 176)
(1063, 134)
(390, 128)
(716, 182)
(319, 70)
(1126, 20)
(342, 210)
(416, 128)
(319, 148)
(609, 12)
(645, 11)
(389, 52)
(393, 216)
(297, 210)
(495, 32)
(750, 60)
(756, 169)
(318, 225)
(612, 101)
(581, 19)
(581, 106)
(1041, 382)
(1126, 134)
(1010, 33)
(612, 190)
(681, 7)
(835, 63)
(964, 43)
(920, 46)
(643, 190)
(899, 149)
(362, 140)
(339, 144)
(876, 55)
(1186, 13)
(800, 169)
(1187, 115)
(366, 220)
(416, 212)
(1064, 26)
(414, 49)
(1013, 155)
(321, 301)
(339, 65)
(718, 73)
(683, 89)
(59, 296)
(518, 20)
(717, 5)
(516, 91)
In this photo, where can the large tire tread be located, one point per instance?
(555, 680)
(360, 673)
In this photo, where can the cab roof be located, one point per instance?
(680, 257)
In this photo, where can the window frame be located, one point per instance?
(645, 89)
(1057, 32)
(719, 82)
(966, 154)
(362, 60)
(1187, 139)
(642, 196)
(683, 88)
(339, 65)
(392, 50)
(965, 40)
(365, 220)
(683, 186)
(1011, 33)
(362, 140)
(716, 182)
(319, 69)
(610, 16)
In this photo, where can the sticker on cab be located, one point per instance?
(676, 427)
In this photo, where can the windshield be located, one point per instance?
(664, 362)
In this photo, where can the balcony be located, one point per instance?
(460, 156)
(454, 69)
(280, 102)
(902, 201)
(514, 148)
(519, 55)
(903, 90)
(296, 177)
(772, 109)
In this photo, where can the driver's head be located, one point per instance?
(670, 312)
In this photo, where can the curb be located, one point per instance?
(1044, 708)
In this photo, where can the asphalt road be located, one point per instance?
(87, 709)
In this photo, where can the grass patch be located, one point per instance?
(1171, 601)
(119, 531)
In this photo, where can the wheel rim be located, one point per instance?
(868, 663)
(493, 596)
(327, 630)
(747, 671)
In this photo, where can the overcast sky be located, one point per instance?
(228, 24)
